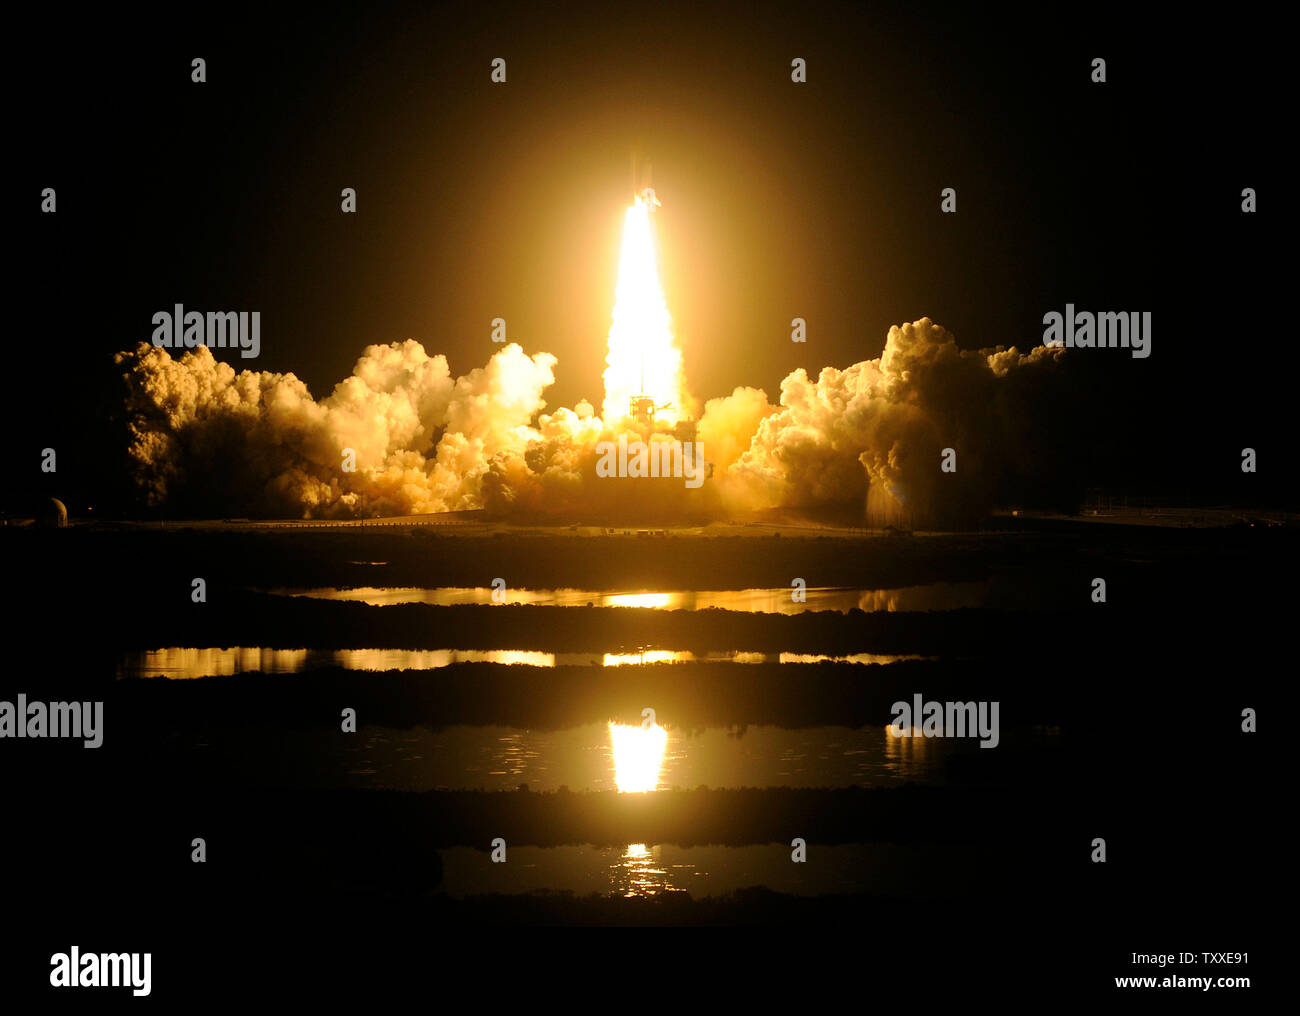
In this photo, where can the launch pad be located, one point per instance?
(643, 410)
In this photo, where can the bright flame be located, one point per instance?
(638, 756)
(642, 359)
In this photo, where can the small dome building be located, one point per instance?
(53, 514)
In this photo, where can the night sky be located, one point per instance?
(819, 200)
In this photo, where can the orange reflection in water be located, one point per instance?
(649, 656)
(430, 659)
(639, 600)
(639, 872)
(906, 750)
(638, 756)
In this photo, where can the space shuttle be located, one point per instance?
(642, 186)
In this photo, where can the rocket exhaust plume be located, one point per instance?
(642, 359)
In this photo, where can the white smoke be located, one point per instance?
(884, 423)
(427, 442)
(421, 439)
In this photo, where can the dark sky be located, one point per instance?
(818, 200)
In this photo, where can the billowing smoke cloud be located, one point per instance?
(208, 440)
(425, 441)
(884, 424)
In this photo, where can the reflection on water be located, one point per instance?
(179, 662)
(638, 756)
(906, 753)
(864, 658)
(933, 596)
(638, 872)
(432, 659)
(582, 758)
(926, 871)
(645, 656)
(660, 600)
